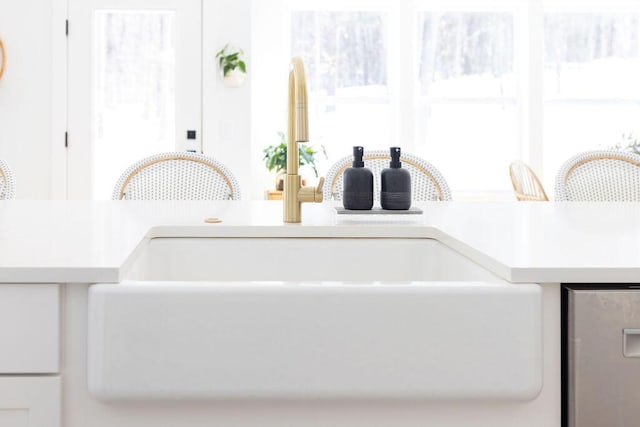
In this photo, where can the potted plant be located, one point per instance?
(275, 158)
(232, 65)
(630, 143)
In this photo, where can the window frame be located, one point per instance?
(587, 7)
(529, 99)
(387, 7)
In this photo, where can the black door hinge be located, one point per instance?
(66, 139)
(66, 27)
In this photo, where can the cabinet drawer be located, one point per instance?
(29, 328)
(30, 401)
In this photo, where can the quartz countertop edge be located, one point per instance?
(95, 242)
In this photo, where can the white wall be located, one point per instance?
(26, 94)
(227, 111)
(270, 78)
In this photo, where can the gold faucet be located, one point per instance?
(297, 131)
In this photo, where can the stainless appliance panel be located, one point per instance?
(603, 357)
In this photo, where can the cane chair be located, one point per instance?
(7, 184)
(599, 176)
(526, 185)
(177, 176)
(427, 183)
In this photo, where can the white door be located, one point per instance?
(135, 84)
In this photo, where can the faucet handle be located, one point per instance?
(310, 194)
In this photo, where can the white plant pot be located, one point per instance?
(234, 78)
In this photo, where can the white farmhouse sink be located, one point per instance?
(302, 259)
(312, 318)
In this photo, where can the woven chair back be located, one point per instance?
(177, 176)
(599, 176)
(526, 185)
(7, 183)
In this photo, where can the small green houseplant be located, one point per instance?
(232, 65)
(630, 143)
(275, 158)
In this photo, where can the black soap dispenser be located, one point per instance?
(396, 184)
(357, 193)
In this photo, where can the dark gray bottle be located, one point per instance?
(396, 184)
(357, 192)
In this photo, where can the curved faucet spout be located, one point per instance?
(298, 113)
(297, 131)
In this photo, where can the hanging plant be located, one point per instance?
(232, 65)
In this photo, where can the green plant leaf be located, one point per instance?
(230, 61)
(275, 156)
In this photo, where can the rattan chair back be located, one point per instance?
(7, 183)
(177, 176)
(526, 185)
(599, 176)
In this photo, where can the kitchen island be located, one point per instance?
(53, 252)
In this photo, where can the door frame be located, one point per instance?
(59, 99)
(72, 158)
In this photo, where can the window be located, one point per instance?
(471, 85)
(345, 55)
(135, 73)
(134, 92)
(591, 69)
(457, 72)
(467, 110)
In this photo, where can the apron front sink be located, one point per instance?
(208, 318)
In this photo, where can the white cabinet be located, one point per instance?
(29, 329)
(30, 402)
(29, 344)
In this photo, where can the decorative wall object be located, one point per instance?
(232, 65)
(3, 59)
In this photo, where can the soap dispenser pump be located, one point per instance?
(357, 191)
(395, 184)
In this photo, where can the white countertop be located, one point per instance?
(88, 242)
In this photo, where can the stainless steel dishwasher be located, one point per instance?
(602, 357)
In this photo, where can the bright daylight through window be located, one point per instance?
(134, 91)
(475, 83)
(592, 64)
(346, 61)
(467, 96)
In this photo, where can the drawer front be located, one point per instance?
(29, 328)
(30, 402)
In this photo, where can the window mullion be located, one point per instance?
(403, 62)
(531, 60)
